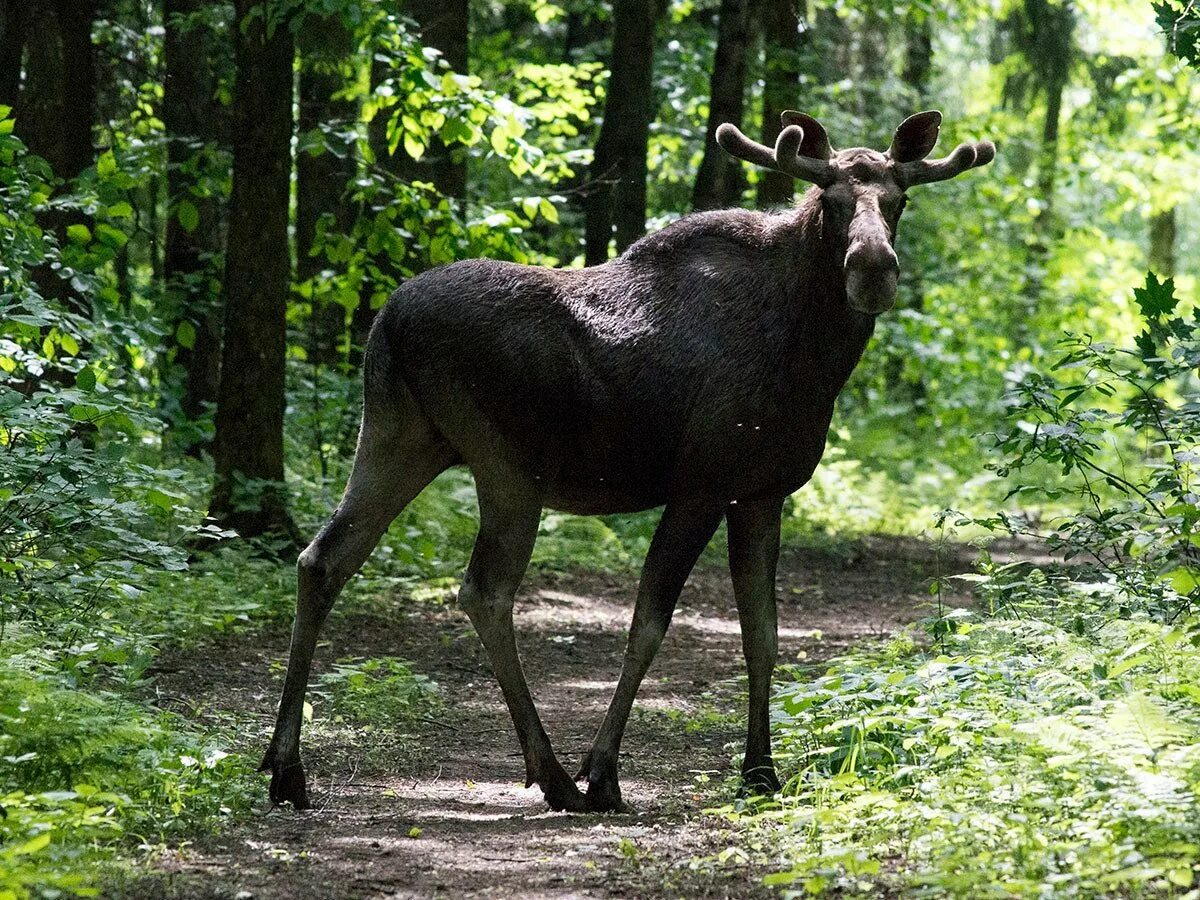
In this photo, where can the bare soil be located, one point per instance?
(448, 815)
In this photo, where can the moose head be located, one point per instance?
(862, 191)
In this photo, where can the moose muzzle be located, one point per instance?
(871, 267)
(871, 274)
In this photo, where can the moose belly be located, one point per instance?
(732, 460)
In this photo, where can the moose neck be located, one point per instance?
(831, 335)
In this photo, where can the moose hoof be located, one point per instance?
(759, 782)
(287, 781)
(605, 796)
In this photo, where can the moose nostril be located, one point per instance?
(872, 256)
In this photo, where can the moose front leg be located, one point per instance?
(753, 554)
(682, 534)
(509, 512)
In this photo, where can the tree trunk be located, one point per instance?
(12, 45)
(1049, 48)
(917, 74)
(617, 193)
(248, 492)
(55, 111)
(445, 25)
(325, 168)
(835, 43)
(787, 49)
(918, 54)
(584, 28)
(1162, 243)
(721, 179)
(871, 43)
(191, 278)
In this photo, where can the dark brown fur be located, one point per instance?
(697, 372)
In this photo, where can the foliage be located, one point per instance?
(1015, 759)
(381, 691)
(1181, 21)
(85, 772)
(99, 511)
(1122, 426)
(1047, 747)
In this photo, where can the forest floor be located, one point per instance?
(445, 813)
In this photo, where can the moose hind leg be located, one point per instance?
(683, 531)
(509, 513)
(753, 555)
(391, 466)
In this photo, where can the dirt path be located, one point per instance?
(461, 824)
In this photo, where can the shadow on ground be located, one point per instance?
(454, 820)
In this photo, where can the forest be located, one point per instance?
(989, 679)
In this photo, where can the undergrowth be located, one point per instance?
(1014, 758)
(1048, 744)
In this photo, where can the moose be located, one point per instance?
(697, 372)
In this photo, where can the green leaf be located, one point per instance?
(1183, 579)
(189, 216)
(548, 210)
(412, 146)
(185, 334)
(499, 140)
(33, 845)
(120, 210)
(106, 165)
(79, 233)
(111, 237)
(1157, 298)
(85, 379)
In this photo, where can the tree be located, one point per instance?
(194, 241)
(918, 53)
(617, 193)
(1043, 33)
(720, 179)
(55, 112)
(248, 446)
(325, 164)
(787, 38)
(1162, 242)
(12, 45)
(444, 26)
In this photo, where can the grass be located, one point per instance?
(1015, 757)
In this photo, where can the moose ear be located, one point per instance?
(816, 141)
(916, 136)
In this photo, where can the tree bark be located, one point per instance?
(324, 172)
(12, 46)
(248, 491)
(584, 28)
(918, 54)
(616, 197)
(55, 112)
(191, 277)
(445, 25)
(1162, 243)
(721, 179)
(1049, 48)
(787, 48)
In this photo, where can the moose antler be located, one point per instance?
(785, 157)
(963, 157)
